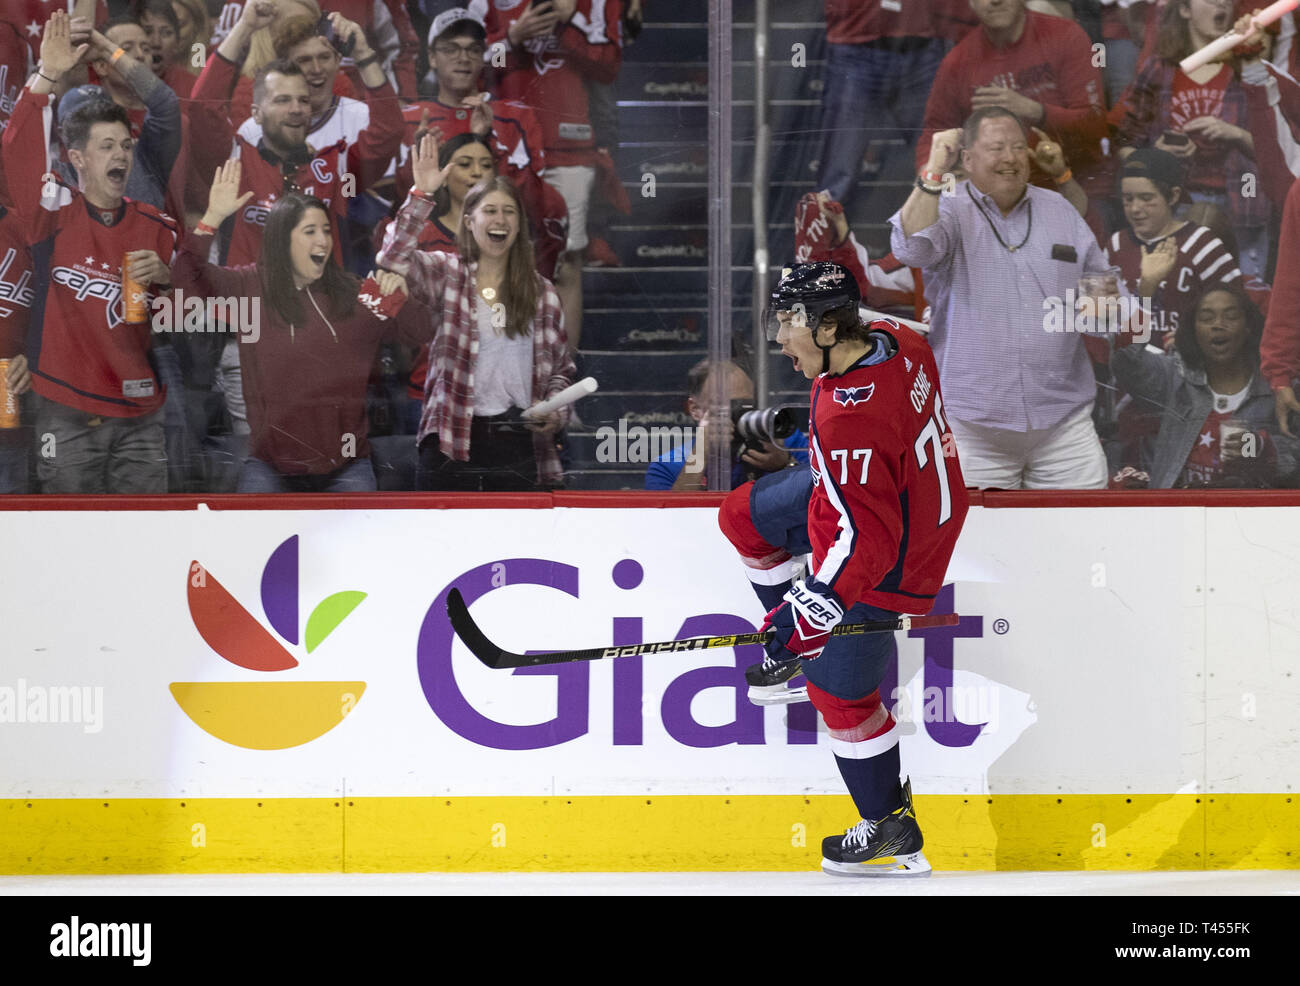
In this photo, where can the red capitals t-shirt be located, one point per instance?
(1188, 101)
(550, 74)
(1204, 466)
(853, 22)
(1051, 63)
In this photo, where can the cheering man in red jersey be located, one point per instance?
(100, 400)
(282, 160)
(885, 501)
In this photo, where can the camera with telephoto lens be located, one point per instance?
(754, 427)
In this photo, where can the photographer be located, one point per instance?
(683, 468)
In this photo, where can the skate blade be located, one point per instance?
(914, 864)
(776, 695)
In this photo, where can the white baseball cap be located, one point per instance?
(452, 17)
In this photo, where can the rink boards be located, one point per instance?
(277, 689)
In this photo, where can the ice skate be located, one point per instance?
(767, 682)
(888, 847)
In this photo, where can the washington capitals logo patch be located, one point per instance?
(848, 396)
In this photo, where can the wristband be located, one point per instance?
(429, 197)
(1064, 177)
(933, 177)
(53, 82)
(204, 229)
(370, 60)
(928, 189)
(116, 55)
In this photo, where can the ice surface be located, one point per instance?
(1218, 884)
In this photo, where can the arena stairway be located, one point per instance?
(646, 322)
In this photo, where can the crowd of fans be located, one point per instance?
(232, 225)
(1056, 151)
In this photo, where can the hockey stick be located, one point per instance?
(496, 657)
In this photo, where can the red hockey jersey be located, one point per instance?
(549, 74)
(80, 352)
(888, 496)
(212, 141)
(516, 138)
(1203, 259)
(13, 76)
(29, 17)
(15, 284)
(517, 145)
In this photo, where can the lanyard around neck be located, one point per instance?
(1029, 208)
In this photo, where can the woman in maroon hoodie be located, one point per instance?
(307, 353)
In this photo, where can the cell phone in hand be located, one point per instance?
(1173, 137)
(326, 30)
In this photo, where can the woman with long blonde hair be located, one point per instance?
(500, 345)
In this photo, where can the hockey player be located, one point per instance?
(880, 508)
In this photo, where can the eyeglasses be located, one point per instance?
(450, 50)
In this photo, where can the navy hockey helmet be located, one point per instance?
(809, 291)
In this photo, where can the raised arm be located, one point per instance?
(161, 132)
(211, 133)
(380, 141)
(192, 272)
(921, 210)
(1143, 373)
(425, 273)
(25, 140)
(398, 45)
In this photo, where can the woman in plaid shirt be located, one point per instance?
(501, 344)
